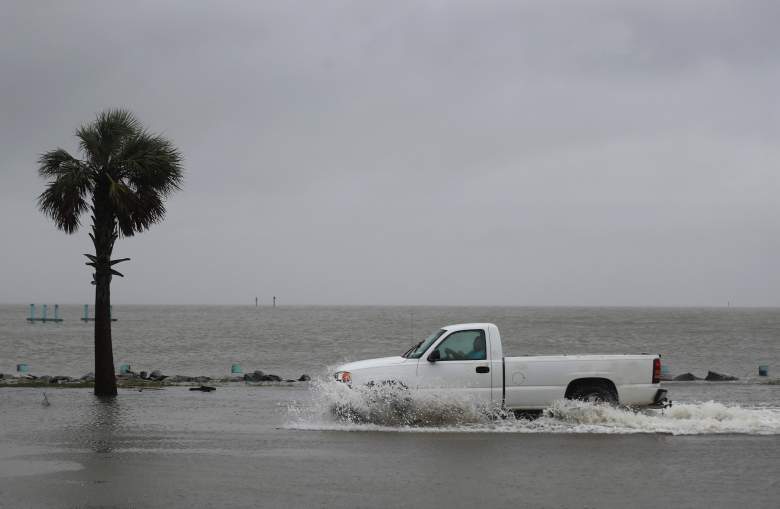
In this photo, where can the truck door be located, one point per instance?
(458, 363)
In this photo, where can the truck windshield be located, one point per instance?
(417, 350)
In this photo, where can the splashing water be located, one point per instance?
(680, 419)
(394, 408)
(388, 405)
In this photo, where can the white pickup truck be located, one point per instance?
(468, 358)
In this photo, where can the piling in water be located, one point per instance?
(44, 314)
(86, 317)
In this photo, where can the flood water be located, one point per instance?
(247, 446)
(254, 446)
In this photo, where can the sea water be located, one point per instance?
(208, 340)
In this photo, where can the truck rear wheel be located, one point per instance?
(594, 393)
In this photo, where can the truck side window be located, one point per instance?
(465, 345)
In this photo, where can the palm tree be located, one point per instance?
(124, 176)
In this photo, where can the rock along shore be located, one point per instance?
(148, 379)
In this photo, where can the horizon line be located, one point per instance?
(418, 305)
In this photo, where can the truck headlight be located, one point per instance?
(344, 376)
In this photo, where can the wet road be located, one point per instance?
(237, 447)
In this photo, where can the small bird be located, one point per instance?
(45, 401)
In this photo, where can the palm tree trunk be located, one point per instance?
(105, 380)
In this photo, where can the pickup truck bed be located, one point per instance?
(550, 376)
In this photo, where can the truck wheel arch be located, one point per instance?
(577, 386)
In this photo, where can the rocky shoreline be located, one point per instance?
(147, 379)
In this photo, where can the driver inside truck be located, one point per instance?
(479, 350)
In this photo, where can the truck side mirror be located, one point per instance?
(435, 356)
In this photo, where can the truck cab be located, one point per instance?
(466, 358)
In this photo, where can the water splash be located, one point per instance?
(387, 405)
(393, 408)
(681, 419)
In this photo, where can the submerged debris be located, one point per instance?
(686, 377)
(203, 388)
(718, 377)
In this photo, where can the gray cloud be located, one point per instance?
(412, 152)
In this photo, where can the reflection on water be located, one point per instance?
(101, 424)
(107, 425)
(172, 420)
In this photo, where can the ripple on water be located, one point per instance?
(22, 466)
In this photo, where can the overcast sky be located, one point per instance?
(474, 153)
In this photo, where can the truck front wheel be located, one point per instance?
(594, 393)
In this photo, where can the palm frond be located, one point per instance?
(151, 167)
(140, 211)
(104, 137)
(56, 162)
(151, 162)
(65, 197)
